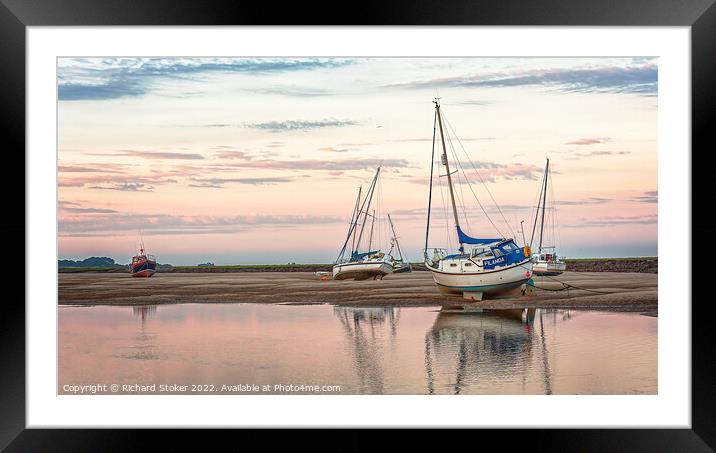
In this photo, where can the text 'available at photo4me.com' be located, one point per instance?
(100, 389)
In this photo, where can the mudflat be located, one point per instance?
(615, 290)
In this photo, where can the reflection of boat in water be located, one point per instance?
(144, 311)
(364, 328)
(471, 349)
(511, 324)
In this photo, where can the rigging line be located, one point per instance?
(533, 209)
(553, 215)
(480, 177)
(462, 201)
(430, 192)
(369, 199)
(448, 218)
(355, 225)
(445, 211)
(381, 216)
(556, 219)
(381, 208)
(460, 167)
(566, 285)
(539, 203)
(354, 218)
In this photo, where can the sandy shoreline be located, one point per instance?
(633, 291)
(645, 265)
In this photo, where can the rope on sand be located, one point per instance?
(566, 286)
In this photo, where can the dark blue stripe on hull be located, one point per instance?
(148, 265)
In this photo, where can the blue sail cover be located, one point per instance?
(356, 255)
(465, 239)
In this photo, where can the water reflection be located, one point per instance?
(144, 312)
(143, 346)
(365, 350)
(545, 359)
(364, 329)
(469, 347)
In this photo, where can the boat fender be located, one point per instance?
(528, 251)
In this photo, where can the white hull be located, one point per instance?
(361, 270)
(489, 282)
(400, 267)
(548, 268)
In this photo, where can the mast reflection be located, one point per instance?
(144, 312)
(469, 348)
(364, 328)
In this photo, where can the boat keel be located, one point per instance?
(472, 295)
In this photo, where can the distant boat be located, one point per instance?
(492, 266)
(399, 265)
(352, 263)
(545, 261)
(143, 265)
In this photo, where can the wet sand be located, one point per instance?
(614, 290)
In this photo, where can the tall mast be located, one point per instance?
(539, 204)
(372, 224)
(544, 205)
(395, 236)
(369, 196)
(354, 218)
(430, 191)
(353, 227)
(447, 168)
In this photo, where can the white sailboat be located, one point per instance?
(492, 266)
(399, 265)
(354, 264)
(545, 261)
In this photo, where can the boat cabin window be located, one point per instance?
(504, 249)
(481, 252)
(468, 264)
(453, 265)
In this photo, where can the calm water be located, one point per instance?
(409, 350)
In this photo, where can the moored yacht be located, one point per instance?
(545, 261)
(143, 265)
(481, 266)
(353, 264)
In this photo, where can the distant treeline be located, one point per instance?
(94, 261)
(104, 264)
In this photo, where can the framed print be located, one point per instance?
(422, 220)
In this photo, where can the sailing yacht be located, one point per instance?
(354, 264)
(545, 261)
(399, 265)
(491, 266)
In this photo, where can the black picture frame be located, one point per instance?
(700, 15)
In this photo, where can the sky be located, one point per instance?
(259, 160)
